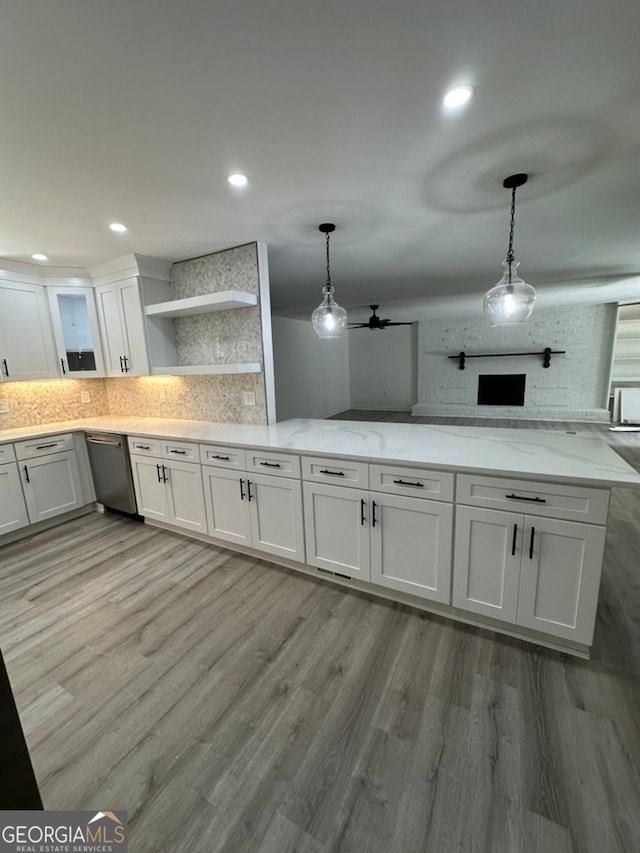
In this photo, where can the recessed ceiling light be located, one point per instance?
(238, 180)
(457, 96)
(118, 227)
(38, 256)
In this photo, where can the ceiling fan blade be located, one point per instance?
(389, 323)
(357, 325)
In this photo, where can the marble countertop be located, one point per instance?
(547, 455)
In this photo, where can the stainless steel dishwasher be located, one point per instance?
(111, 469)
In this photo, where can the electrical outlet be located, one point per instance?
(4, 406)
(248, 398)
(85, 396)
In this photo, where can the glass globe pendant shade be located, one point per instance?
(511, 300)
(329, 320)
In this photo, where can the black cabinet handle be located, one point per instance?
(62, 366)
(522, 498)
(272, 464)
(45, 446)
(373, 513)
(533, 533)
(126, 364)
(142, 446)
(333, 473)
(407, 483)
(121, 365)
(158, 472)
(249, 495)
(26, 474)
(164, 474)
(6, 367)
(362, 519)
(181, 452)
(215, 456)
(513, 543)
(241, 489)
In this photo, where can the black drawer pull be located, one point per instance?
(241, 489)
(522, 498)
(62, 366)
(513, 544)
(249, 495)
(333, 473)
(44, 446)
(407, 483)
(272, 464)
(6, 367)
(158, 471)
(533, 533)
(224, 458)
(26, 474)
(181, 452)
(164, 475)
(362, 511)
(373, 513)
(142, 446)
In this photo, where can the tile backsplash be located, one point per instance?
(43, 402)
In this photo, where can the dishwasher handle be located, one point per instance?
(99, 439)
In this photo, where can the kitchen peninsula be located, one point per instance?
(503, 528)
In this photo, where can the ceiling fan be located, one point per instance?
(375, 322)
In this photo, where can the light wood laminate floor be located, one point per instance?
(230, 705)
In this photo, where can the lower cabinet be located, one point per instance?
(399, 542)
(13, 510)
(169, 491)
(50, 475)
(256, 510)
(530, 571)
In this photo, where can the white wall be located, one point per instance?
(311, 376)
(383, 368)
(574, 387)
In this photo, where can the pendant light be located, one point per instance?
(511, 300)
(329, 320)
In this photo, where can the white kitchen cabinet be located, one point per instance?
(76, 332)
(390, 539)
(169, 491)
(13, 510)
(528, 570)
(51, 485)
(262, 511)
(26, 339)
(337, 530)
(411, 545)
(122, 328)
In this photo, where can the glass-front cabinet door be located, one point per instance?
(75, 328)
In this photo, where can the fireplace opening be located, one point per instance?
(501, 389)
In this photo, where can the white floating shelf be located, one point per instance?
(203, 369)
(206, 304)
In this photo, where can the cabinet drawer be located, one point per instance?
(341, 472)
(414, 482)
(553, 500)
(145, 446)
(180, 450)
(222, 457)
(7, 453)
(43, 446)
(280, 464)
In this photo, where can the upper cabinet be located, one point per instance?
(75, 330)
(27, 349)
(122, 327)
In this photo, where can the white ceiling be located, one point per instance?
(136, 110)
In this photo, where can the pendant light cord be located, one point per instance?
(328, 284)
(510, 255)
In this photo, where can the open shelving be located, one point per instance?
(225, 300)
